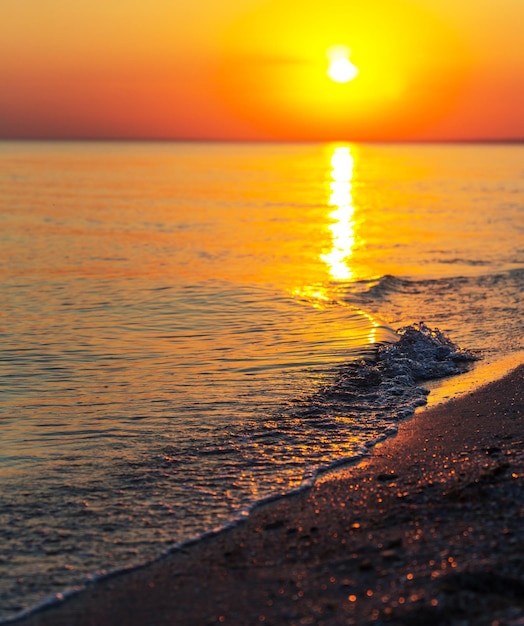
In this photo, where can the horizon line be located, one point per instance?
(501, 140)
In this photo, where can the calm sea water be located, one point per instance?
(172, 313)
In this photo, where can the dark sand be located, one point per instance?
(429, 530)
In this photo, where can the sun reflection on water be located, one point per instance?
(343, 223)
(342, 227)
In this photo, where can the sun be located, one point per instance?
(340, 69)
(353, 69)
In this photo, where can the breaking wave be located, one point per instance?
(483, 311)
(388, 388)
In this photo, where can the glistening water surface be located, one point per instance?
(176, 316)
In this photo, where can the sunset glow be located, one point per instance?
(262, 69)
(374, 83)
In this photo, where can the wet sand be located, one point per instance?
(428, 530)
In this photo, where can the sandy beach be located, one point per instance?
(428, 530)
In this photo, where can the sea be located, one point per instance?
(189, 329)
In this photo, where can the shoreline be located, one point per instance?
(425, 530)
(486, 370)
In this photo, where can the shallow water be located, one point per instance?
(172, 314)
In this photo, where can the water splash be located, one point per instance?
(386, 389)
(423, 354)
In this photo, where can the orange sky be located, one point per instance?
(254, 69)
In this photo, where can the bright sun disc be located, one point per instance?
(342, 70)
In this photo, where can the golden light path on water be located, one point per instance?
(343, 215)
(342, 226)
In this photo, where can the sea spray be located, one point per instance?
(423, 354)
(387, 387)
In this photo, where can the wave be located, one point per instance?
(390, 384)
(388, 284)
(483, 311)
(378, 288)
